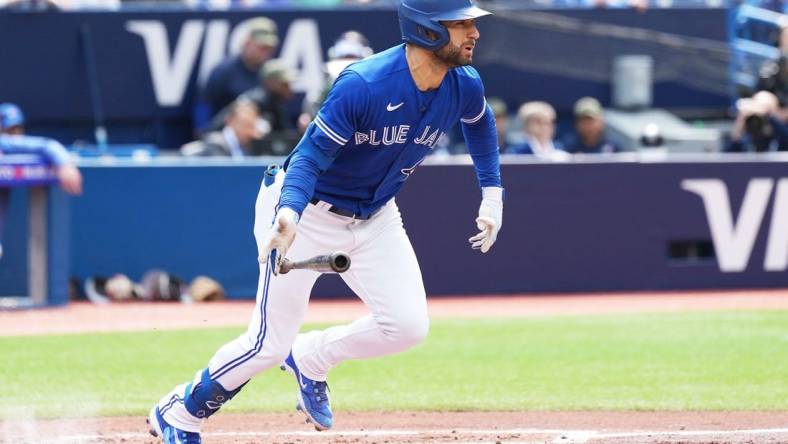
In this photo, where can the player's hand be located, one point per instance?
(279, 237)
(70, 179)
(490, 219)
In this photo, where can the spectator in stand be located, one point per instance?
(270, 96)
(242, 128)
(589, 135)
(272, 93)
(501, 112)
(538, 124)
(350, 47)
(760, 124)
(237, 74)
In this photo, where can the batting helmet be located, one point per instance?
(11, 115)
(417, 17)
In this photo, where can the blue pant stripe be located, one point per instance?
(173, 400)
(221, 369)
(260, 335)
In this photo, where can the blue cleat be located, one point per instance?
(169, 434)
(312, 397)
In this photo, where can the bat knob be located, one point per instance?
(339, 261)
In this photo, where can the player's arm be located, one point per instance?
(482, 140)
(328, 133)
(478, 128)
(68, 174)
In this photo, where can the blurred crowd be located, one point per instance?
(242, 108)
(38, 5)
(245, 107)
(247, 4)
(535, 130)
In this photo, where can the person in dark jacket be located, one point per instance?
(589, 135)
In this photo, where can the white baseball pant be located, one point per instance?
(384, 273)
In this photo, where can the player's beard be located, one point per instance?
(452, 55)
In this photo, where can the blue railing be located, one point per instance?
(754, 34)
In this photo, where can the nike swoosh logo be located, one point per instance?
(301, 382)
(391, 107)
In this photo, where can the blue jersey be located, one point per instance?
(49, 149)
(376, 127)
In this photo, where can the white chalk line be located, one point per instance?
(562, 436)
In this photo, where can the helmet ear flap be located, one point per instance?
(429, 34)
(418, 28)
(421, 20)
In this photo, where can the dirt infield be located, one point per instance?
(408, 427)
(445, 427)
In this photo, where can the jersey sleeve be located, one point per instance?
(56, 152)
(336, 122)
(475, 104)
(478, 127)
(482, 140)
(334, 125)
(49, 148)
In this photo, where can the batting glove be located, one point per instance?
(279, 237)
(490, 219)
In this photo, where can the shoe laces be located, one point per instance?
(319, 389)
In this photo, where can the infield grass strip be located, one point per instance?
(697, 361)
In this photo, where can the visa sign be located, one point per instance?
(172, 65)
(734, 239)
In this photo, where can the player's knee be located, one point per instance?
(418, 330)
(269, 355)
(408, 331)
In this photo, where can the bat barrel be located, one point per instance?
(336, 262)
(339, 261)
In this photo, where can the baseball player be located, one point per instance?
(336, 191)
(14, 141)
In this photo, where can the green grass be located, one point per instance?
(699, 361)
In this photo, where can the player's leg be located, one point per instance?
(278, 314)
(386, 276)
(281, 305)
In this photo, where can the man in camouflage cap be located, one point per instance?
(238, 73)
(589, 136)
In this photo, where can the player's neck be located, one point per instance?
(427, 70)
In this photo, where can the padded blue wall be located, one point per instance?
(568, 227)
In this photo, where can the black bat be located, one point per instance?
(336, 262)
